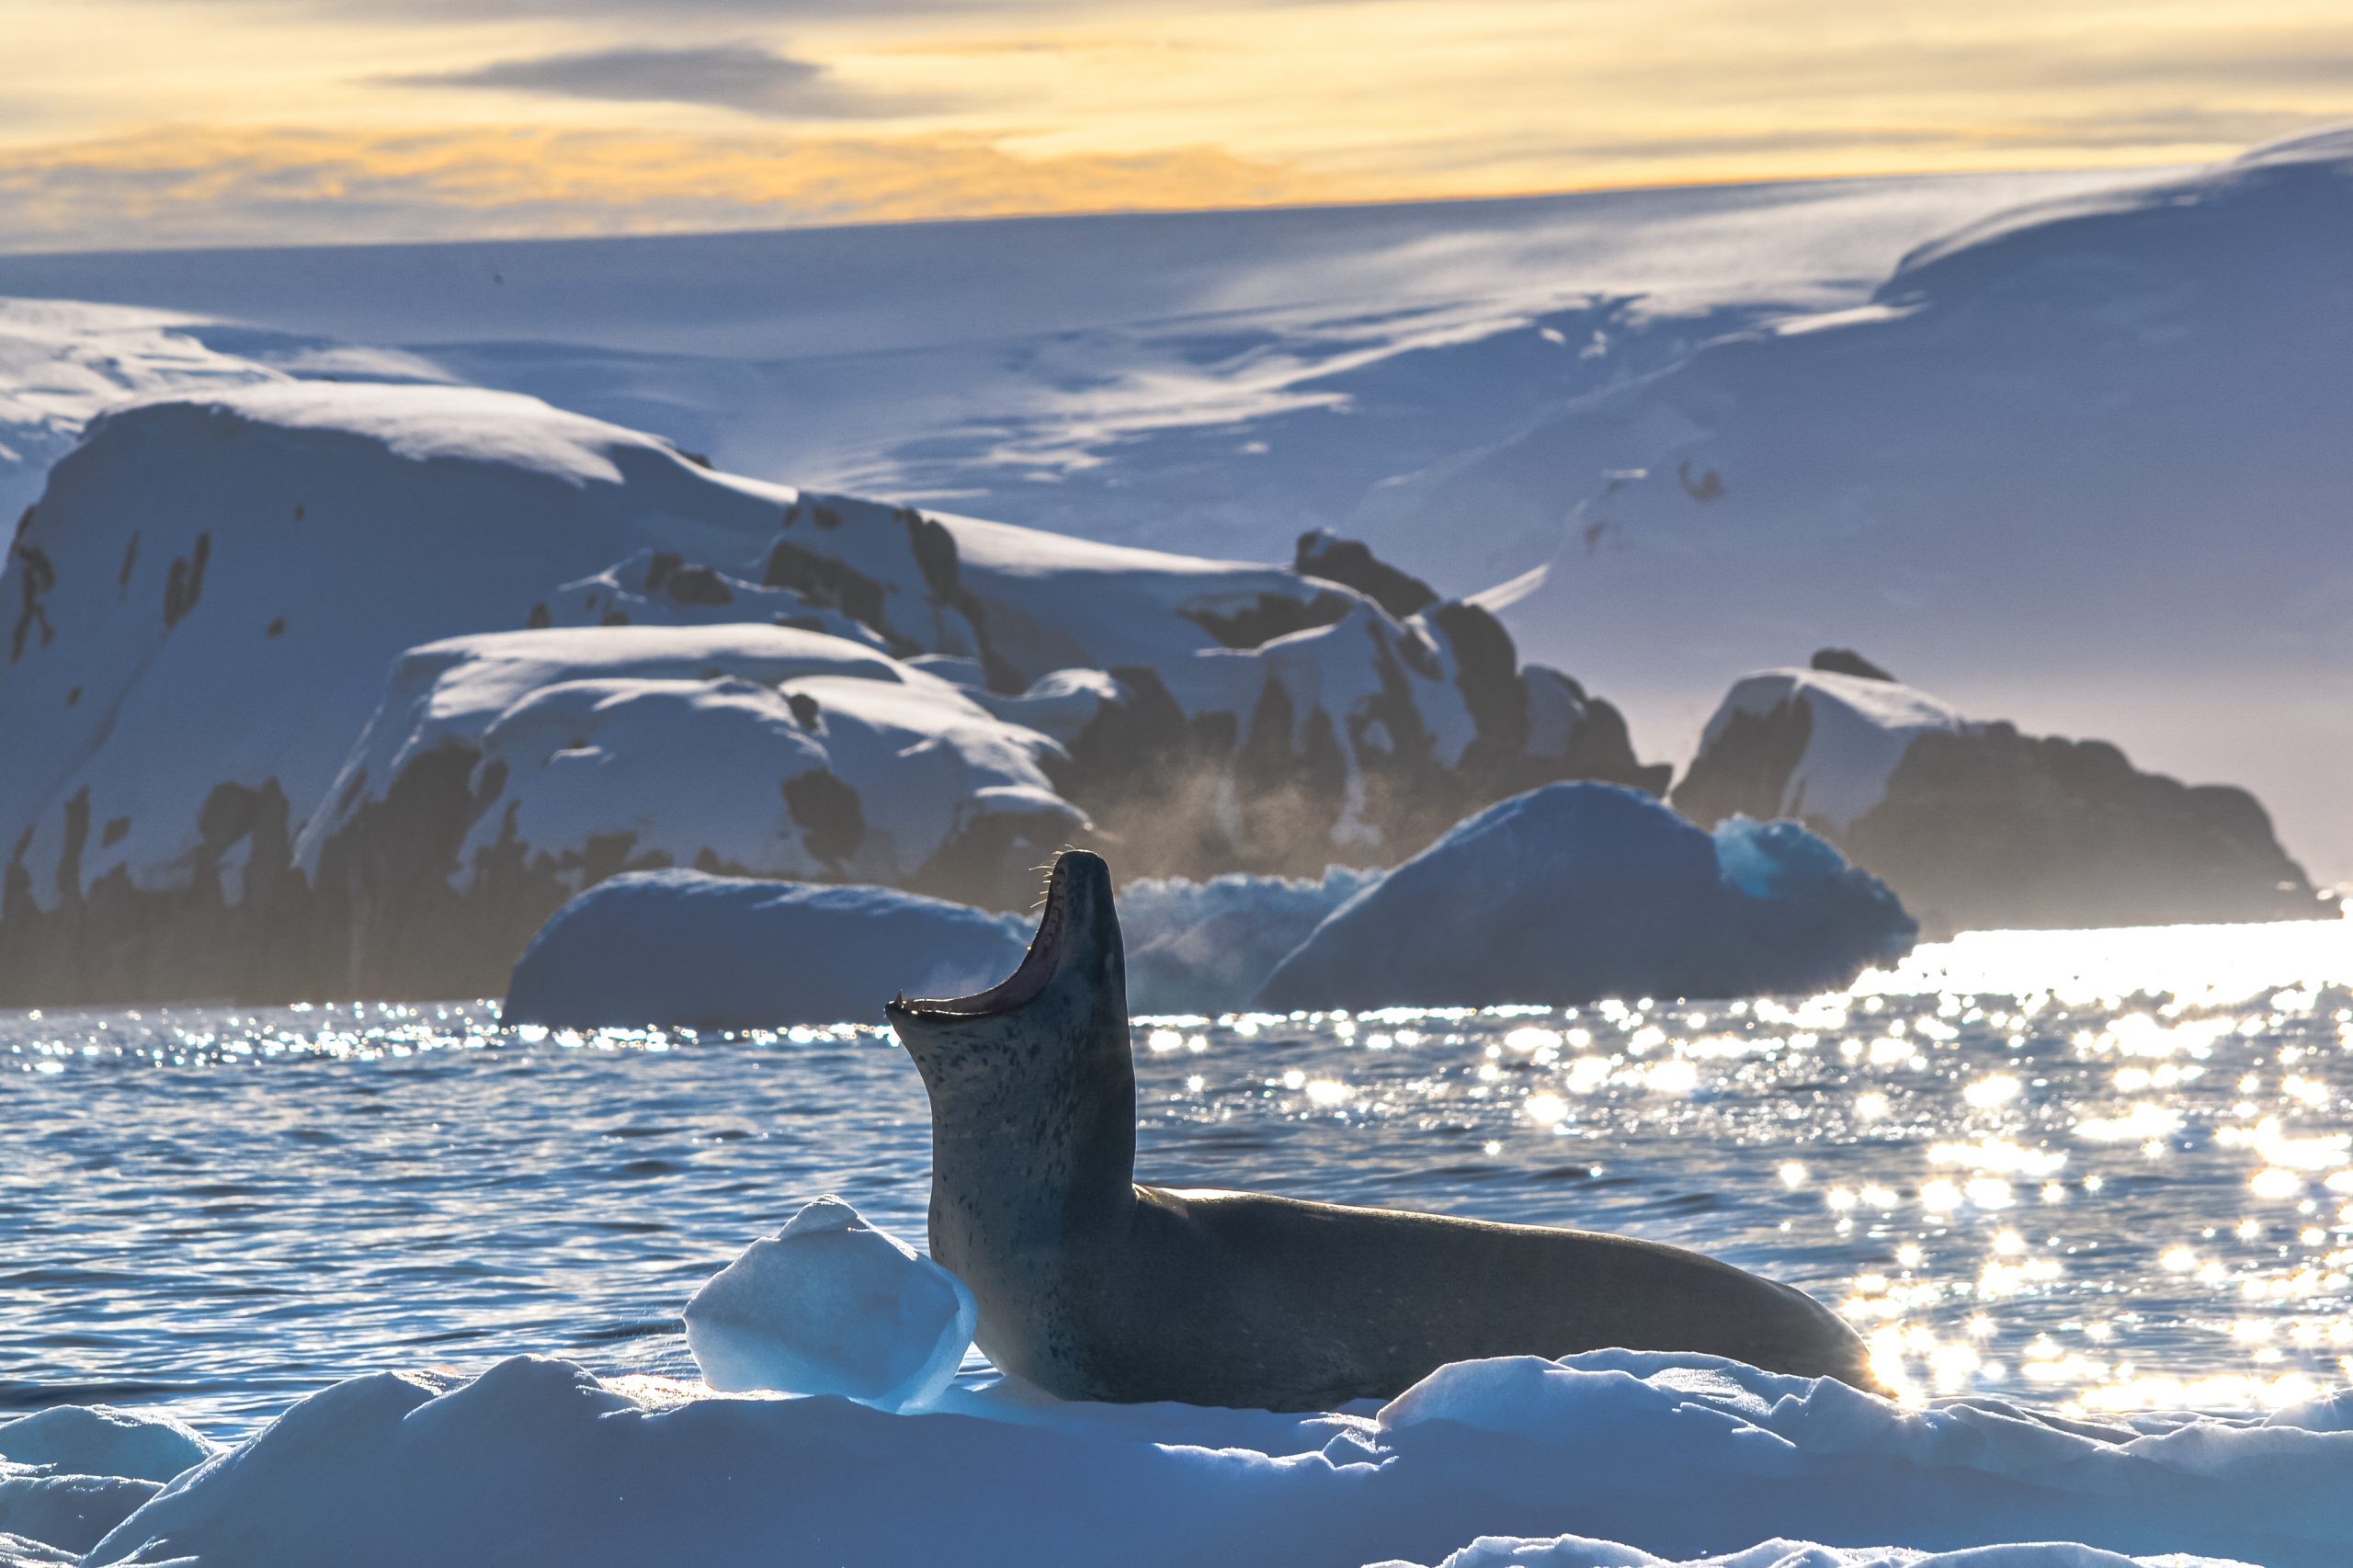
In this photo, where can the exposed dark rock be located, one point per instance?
(130, 564)
(826, 581)
(77, 839)
(666, 572)
(805, 712)
(74, 698)
(1982, 827)
(1846, 662)
(1602, 748)
(935, 553)
(184, 583)
(387, 899)
(36, 575)
(832, 822)
(614, 618)
(1267, 617)
(1351, 563)
(700, 585)
(275, 627)
(541, 619)
(1267, 791)
(1746, 769)
(1994, 828)
(106, 940)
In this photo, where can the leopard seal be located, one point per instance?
(1096, 1288)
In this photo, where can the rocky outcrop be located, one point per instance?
(1976, 825)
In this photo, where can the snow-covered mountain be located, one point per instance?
(1975, 825)
(62, 362)
(2080, 460)
(2091, 411)
(212, 591)
(1213, 382)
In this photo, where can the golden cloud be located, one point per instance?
(221, 185)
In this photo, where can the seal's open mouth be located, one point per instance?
(1021, 987)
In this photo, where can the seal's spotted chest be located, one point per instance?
(1094, 1288)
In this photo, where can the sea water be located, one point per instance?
(2094, 1170)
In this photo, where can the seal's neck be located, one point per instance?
(1033, 1088)
(1037, 1154)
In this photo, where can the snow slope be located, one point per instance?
(62, 362)
(1645, 1458)
(1098, 375)
(2075, 461)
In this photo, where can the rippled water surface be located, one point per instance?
(2098, 1168)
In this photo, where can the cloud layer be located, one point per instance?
(740, 77)
(182, 187)
(682, 115)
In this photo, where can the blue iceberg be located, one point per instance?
(1577, 892)
(691, 950)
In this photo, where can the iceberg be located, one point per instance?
(1577, 892)
(1204, 947)
(686, 949)
(829, 1304)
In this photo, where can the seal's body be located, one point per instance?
(1094, 1288)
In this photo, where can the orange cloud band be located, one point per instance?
(182, 186)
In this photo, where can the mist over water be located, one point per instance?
(2096, 1170)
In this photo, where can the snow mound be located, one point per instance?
(98, 1440)
(23, 1551)
(1577, 891)
(829, 1304)
(686, 949)
(1205, 947)
(1580, 1551)
(67, 1513)
(1977, 826)
(750, 750)
(1651, 1458)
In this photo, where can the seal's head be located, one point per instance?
(1064, 1012)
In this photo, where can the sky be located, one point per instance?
(178, 122)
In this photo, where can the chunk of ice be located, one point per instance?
(829, 1304)
(98, 1440)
